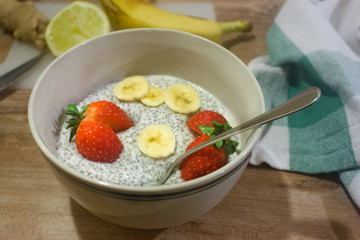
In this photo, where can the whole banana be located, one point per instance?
(124, 14)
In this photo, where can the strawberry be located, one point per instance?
(204, 118)
(101, 111)
(97, 142)
(109, 114)
(202, 162)
(95, 128)
(208, 159)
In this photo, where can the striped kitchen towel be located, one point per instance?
(310, 44)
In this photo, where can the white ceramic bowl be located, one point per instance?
(81, 70)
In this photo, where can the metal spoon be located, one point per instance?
(296, 103)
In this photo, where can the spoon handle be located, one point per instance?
(294, 104)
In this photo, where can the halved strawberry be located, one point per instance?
(204, 118)
(97, 142)
(95, 128)
(109, 114)
(101, 111)
(202, 162)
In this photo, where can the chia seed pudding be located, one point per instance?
(133, 168)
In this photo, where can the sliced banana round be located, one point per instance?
(154, 98)
(131, 88)
(182, 98)
(156, 141)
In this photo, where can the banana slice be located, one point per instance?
(156, 141)
(182, 98)
(131, 88)
(154, 98)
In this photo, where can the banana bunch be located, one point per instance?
(124, 14)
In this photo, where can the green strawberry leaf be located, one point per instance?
(84, 108)
(230, 146)
(72, 110)
(219, 128)
(227, 126)
(206, 130)
(72, 133)
(74, 122)
(219, 144)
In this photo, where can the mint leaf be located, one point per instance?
(206, 130)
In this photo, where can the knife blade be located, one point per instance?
(11, 76)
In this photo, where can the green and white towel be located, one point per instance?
(308, 45)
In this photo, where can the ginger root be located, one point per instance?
(24, 21)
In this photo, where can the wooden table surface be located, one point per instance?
(264, 204)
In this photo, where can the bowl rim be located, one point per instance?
(141, 190)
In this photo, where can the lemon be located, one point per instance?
(74, 24)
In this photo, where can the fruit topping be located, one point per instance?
(182, 98)
(131, 88)
(154, 98)
(202, 162)
(95, 128)
(156, 141)
(210, 158)
(204, 118)
(109, 114)
(97, 142)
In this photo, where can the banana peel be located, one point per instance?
(126, 14)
